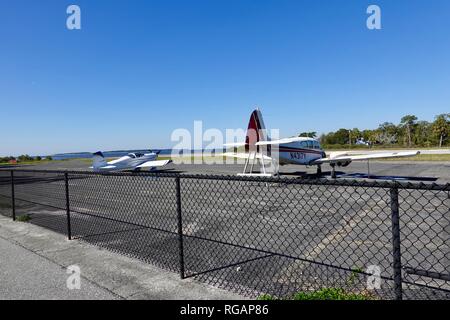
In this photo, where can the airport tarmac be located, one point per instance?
(421, 171)
(253, 237)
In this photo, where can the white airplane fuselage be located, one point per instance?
(128, 162)
(296, 150)
(299, 152)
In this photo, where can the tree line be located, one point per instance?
(22, 158)
(408, 133)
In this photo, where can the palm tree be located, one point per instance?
(441, 127)
(408, 122)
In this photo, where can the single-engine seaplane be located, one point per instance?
(297, 150)
(131, 162)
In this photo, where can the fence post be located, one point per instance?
(69, 229)
(13, 197)
(180, 226)
(397, 256)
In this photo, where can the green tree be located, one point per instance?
(441, 127)
(387, 133)
(342, 136)
(423, 134)
(409, 132)
(6, 159)
(24, 157)
(355, 134)
(408, 122)
(366, 135)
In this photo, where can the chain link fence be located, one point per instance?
(253, 236)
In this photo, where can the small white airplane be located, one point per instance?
(133, 161)
(296, 150)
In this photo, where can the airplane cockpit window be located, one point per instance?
(310, 145)
(135, 155)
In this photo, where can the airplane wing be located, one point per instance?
(109, 167)
(118, 160)
(234, 144)
(246, 156)
(156, 163)
(347, 157)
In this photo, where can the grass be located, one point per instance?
(323, 294)
(420, 157)
(355, 272)
(191, 158)
(23, 218)
(220, 158)
(423, 157)
(89, 160)
(329, 293)
(28, 162)
(377, 147)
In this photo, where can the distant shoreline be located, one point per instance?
(121, 153)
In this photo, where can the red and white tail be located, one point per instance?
(256, 130)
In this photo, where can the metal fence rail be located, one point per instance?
(252, 235)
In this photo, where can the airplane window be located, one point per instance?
(310, 145)
(138, 154)
(132, 155)
(303, 144)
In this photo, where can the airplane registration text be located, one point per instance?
(297, 155)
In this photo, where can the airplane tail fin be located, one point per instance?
(98, 160)
(256, 130)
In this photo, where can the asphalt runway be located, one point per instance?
(421, 171)
(254, 237)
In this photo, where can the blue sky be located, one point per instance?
(139, 69)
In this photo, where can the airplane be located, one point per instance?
(297, 150)
(132, 161)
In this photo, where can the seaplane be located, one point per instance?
(131, 162)
(270, 154)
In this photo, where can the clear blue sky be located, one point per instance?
(139, 69)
